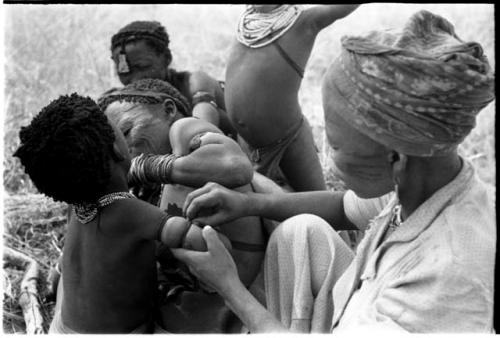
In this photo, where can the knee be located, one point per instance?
(301, 225)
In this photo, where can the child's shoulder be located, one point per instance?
(134, 207)
(132, 211)
(135, 216)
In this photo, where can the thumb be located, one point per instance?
(186, 256)
(212, 239)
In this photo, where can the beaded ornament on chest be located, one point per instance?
(257, 29)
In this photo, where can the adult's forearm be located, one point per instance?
(211, 164)
(324, 15)
(325, 204)
(255, 316)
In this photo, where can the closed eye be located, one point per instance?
(126, 132)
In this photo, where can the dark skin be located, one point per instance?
(109, 264)
(112, 256)
(262, 93)
(418, 179)
(146, 62)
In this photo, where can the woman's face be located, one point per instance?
(146, 127)
(143, 62)
(360, 162)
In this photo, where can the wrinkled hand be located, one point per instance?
(214, 204)
(205, 138)
(215, 267)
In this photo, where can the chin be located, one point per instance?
(367, 193)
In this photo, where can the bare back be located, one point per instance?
(109, 272)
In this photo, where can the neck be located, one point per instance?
(423, 177)
(118, 181)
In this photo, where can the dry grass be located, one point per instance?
(52, 50)
(34, 225)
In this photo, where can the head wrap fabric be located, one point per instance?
(417, 91)
(139, 30)
(146, 91)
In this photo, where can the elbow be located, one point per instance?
(240, 171)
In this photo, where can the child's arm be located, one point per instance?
(207, 98)
(322, 16)
(178, 232)
(151, 223)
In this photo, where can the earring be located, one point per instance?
(123, 67)
(396, 186)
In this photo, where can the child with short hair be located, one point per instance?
(263, 77)
(73, 153)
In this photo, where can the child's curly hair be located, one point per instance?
(152, 32)
(146, 91)
(66, 150)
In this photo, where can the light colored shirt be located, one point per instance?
(434, 273)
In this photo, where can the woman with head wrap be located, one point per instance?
(397, 105)
(141, 50)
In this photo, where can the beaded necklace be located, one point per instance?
(257, 29)
(86, 212)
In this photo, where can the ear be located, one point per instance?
(170, 108)
(398, 162)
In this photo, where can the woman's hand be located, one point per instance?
(215, 266)
(214, 204)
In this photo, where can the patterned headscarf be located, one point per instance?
(417, 91)
(146, 91)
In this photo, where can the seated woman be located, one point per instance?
(150, 113)
(140, 50)
(397, 105)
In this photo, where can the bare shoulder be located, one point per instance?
(136, 218)
(185, 129)
(136, 210)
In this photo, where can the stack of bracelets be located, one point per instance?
(149, 168)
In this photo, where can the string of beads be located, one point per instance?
(256, 29)
(86, 212)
